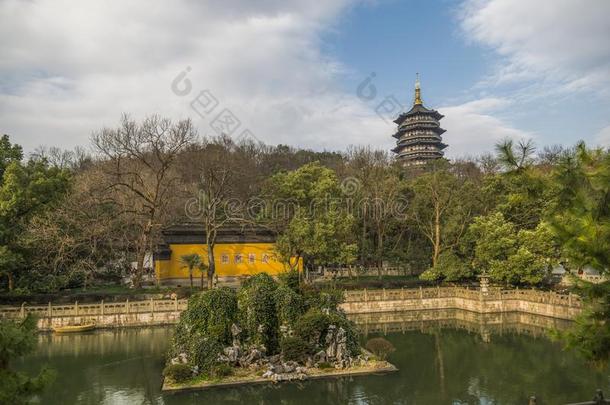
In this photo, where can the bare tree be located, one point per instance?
(442, 207)
(215, 206)
(139, 163)
(82, 235)
(489, 164)
(379, 185)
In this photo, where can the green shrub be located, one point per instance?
(178, 372)
(221, 370)
(325, 366)
(258, 312)
(289, 305)
(212, 313)
(209, 314)
(294, 348)
(380, 347)
(290, 279)
(326, 299)
(203, 352)
(312, 328)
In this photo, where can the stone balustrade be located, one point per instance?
(543, 303)
(114, 314)
(163, 312)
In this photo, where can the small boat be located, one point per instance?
(74, 328)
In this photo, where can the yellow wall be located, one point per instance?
(168, 269)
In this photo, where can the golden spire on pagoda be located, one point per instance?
(417, 91)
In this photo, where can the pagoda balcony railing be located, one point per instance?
(419, 132)
(430, 122)
(424, 126)
(405, 140)
(423, 153)
(427, 150)
(415, 118)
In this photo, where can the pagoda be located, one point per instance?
(418, 137)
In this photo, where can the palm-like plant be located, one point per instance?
(203, 269)
(190, 261)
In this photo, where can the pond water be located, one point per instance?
(441, 361)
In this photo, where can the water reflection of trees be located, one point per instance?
(438, 365)
(506, 371)
(105, 366)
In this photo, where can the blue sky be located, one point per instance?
(395, 39)
(287, 70)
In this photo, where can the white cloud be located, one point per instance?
(603, 137)
(471, 127)
(71, 67)
(559, 43)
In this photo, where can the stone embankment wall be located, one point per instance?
(164, 312)
(104, 315)
(533, 302)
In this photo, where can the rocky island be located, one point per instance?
(267, 332)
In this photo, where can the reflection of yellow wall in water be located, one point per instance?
(231, 259)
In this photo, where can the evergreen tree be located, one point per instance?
(18, 339)
(581, 221)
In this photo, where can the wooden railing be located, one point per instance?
(99, 309)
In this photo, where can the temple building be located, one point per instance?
(418, 137)
(239, 252)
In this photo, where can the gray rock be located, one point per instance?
(341, 344)
(251, 358)
(235, 331)
(319, 357)
(232, 353)
(331, 342)
(275, 359)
